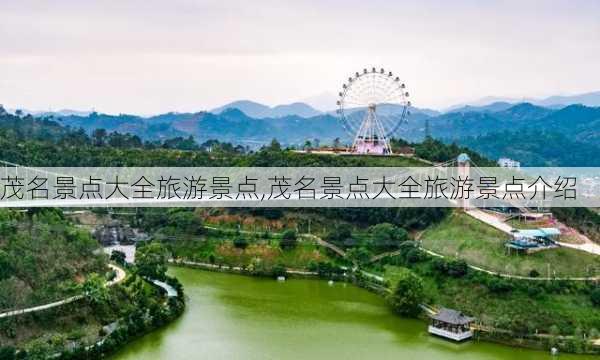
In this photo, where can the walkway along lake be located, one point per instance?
(231, 317)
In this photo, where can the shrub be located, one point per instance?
(414, 255)
(499, 285)
(387, 236)
(408, 294)
(289, 240)
(359, 254)
(535, 291)
(595, 296)
(7, 353)
(457, 268)
(439, 265)
(534, 273)
(240, 242)
(278, 270)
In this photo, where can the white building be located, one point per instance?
(508, 163)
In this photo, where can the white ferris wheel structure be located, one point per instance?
(372, 105)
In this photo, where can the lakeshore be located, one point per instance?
(232, 317)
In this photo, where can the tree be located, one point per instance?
(181, 143)
(289, 240)
(387, 236)
(99, 137)
(151, 260)
(408, 294)
(95, 289)
(534, 273)
(240, 242)
(337, 143)
(340, 235)
(118, 256)
(595, 296)
(7, 353)
(6, 268)
(457, 268)
(185, 221)
(278, 270)
(359, 254)
(275, 145)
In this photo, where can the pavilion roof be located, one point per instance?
(451, 316)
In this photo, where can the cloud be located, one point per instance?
(151, 55)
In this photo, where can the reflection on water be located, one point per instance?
(238, 317)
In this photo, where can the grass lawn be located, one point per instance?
(522, 224)
(461, 236)
(266, 250)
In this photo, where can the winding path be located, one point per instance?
(120, 276)
(588, 245)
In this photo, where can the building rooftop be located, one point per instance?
(451, 316)
(541, 232)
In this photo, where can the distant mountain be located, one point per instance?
(392, 110)
(574, 126)
(493, 107)
(231, 125)
(587, 99)
(142, 127)
(258, 111)
(591, 99)
(578, 122)
(523, 112)
(62, 112)
(324, 102)
(298, 109)
(248, 107)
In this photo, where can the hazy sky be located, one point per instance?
(148, 56)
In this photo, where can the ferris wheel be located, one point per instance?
(372, 106)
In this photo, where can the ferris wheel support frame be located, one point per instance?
(371, 134)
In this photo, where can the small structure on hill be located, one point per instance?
(451, 324)
(531, 240)
(509, 163)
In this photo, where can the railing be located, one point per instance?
(456, 336)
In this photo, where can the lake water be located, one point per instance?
(240, 317)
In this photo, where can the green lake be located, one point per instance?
(240, 317)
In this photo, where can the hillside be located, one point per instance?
(535, 148)
(495, 130)
(257, 110)
(43, 257)
(578, 120)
